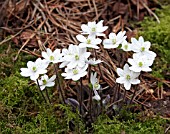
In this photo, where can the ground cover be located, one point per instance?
(23, 110)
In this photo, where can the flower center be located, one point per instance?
(34, 69)
(126, 47)
(96, 85)
(75, 71)
(140, 64)
(51, 58)
(142, 49)
(88, 41)
(114, 41)
(44, 82)
(93, 29)
(76, 57)
(128, 77)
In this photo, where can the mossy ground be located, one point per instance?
(22, 109)
(159, 36)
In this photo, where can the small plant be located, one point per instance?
(77, 59)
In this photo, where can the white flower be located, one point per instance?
(142, 47)
(127, 77)
(94, 29)
(66, 53)
(93, 61)
(78, 58)
(94, 81)
(126, 46)
(90, 42)
(114, 40)
(75, 73)
(140, 63)
(46, 82)
(52, 57)
(96, 96)
(34, 69)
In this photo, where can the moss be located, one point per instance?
(159, 36)
(132, 126)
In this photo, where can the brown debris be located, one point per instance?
(38, 24)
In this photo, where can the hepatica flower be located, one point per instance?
(94, 81)
(52, 57)
(140, 63)
(93, 61)
(90, 41)
(34, 69)
(75, 73)
(142, 47)
(94, 29)
(96, 96)
(126, 46)
(78, 58)
(114, 40)
(127, 77)
(45, 81)
(66, 53)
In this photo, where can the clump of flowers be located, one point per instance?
(77, 60)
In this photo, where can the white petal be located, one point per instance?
(50, 84)
(34, 76)
(127, 85)
(107, 42)
(112, 36)
(121, 80)
(126, 68)
(120, 72)
(146, 69)
(135, 69)
(30, 64)
(25, 72)
(131, 61)
(141, 40)
(81, 38)
(84, 28)
(135, 81)
(102, 29)
(42, 87)
(52, 78)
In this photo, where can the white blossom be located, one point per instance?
(90, 41)
(96, 96)
(94, 81)
(52, 57)
(140, 63)
(34, 69)
(75, 73)
(66, 53)
(77, 58)
(126, 46)
(93, 61)
(94, 29)
(142, 47)
(127, 77)
(46, 82)
(114, 40)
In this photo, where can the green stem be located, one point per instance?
(58, 81)
(101, 104)
(41, 91)
(47, 95)
(81, 95)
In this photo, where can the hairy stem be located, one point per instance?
(41, 91)
(47, 96)
(58, 81)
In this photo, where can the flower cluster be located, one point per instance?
(75, 58)
(142, 60)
